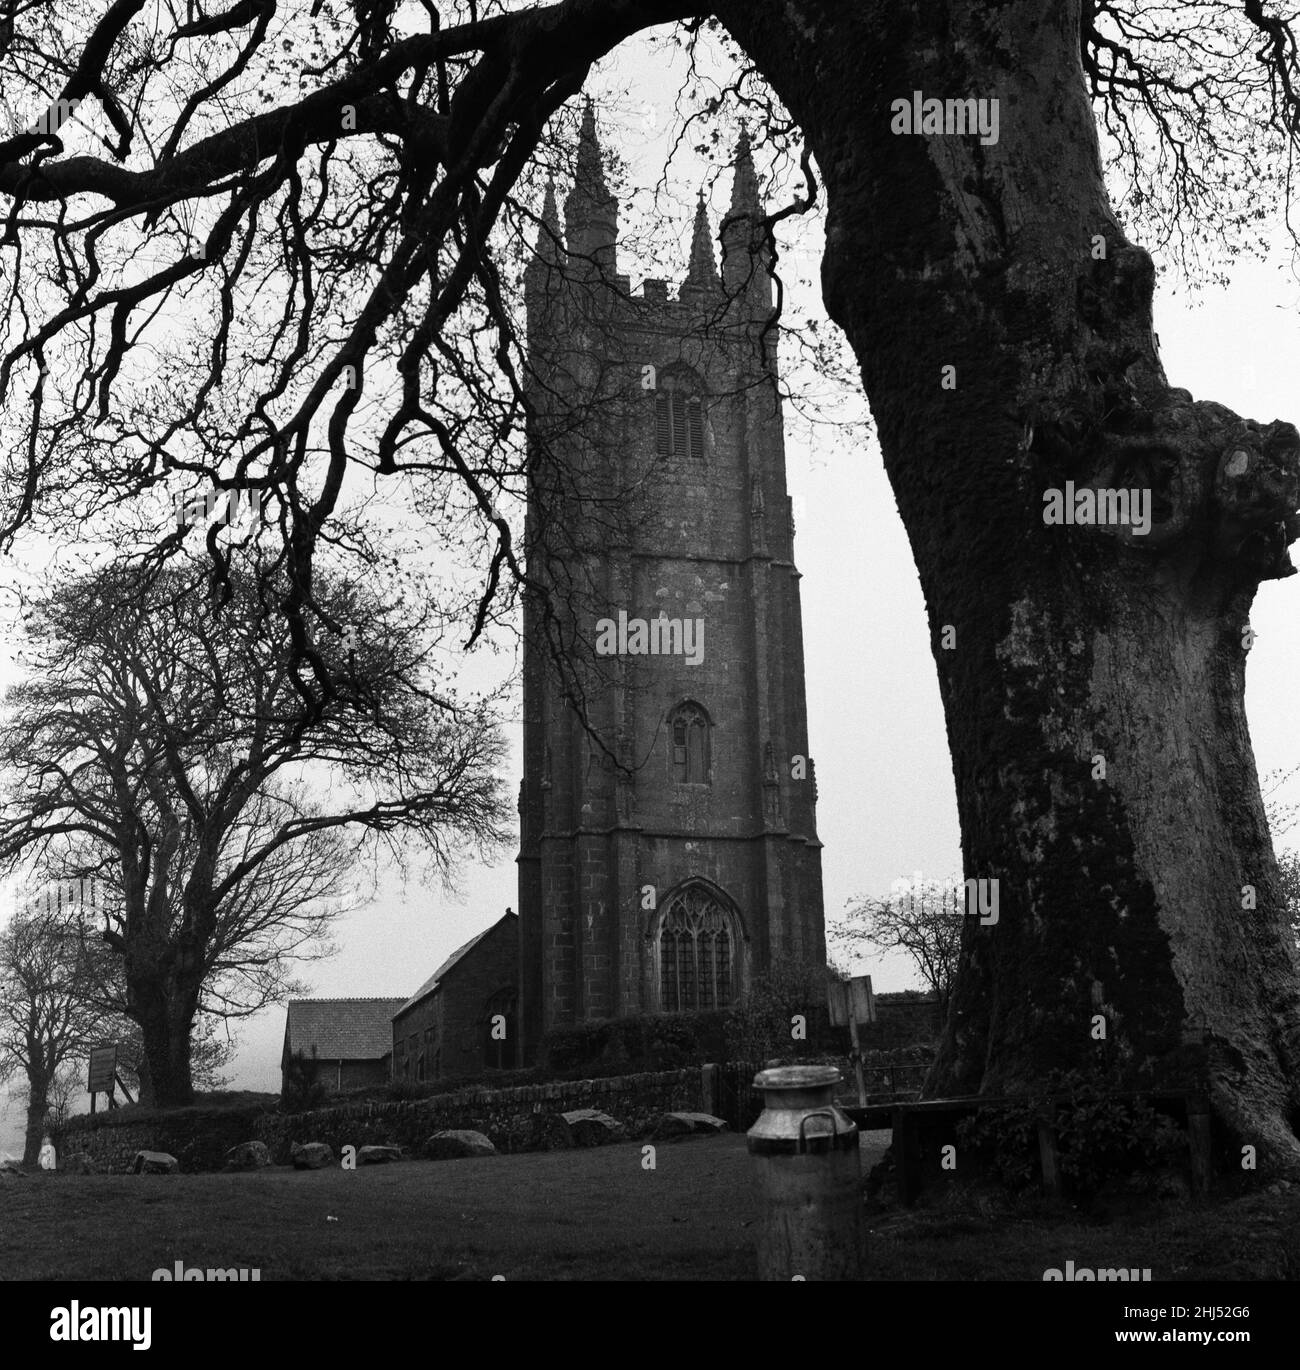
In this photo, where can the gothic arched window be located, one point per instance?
(679, 416)
(697, 952)
(689, 728)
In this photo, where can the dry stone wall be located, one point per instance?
(512, 1119)
(199, 1138)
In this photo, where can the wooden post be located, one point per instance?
(906, 1145)
(857, 1057)
(709, 1090)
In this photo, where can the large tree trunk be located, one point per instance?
(38, 1089)
(1121, 891)
(165, 1013)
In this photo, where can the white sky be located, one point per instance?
(887, 806)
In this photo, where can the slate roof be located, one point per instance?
(341, 1029)
(441, 973)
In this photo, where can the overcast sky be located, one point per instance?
(887, 807)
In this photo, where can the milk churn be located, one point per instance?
(806, 1154)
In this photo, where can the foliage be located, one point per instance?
(1005, 1141)
(760, 1026)
(664, 1041)
(221, 1103)
(1099, 1137)
(302, 1090)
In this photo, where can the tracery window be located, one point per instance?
(697, 952)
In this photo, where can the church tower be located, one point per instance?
(668, 842)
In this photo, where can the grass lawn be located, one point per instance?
(580, 1215)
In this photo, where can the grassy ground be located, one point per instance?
(581, 1215)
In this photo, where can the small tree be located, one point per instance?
(46, 1016)
(920, 917)
(59, 1098)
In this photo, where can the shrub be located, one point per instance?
(302, 1090)
(618, 1046)
(760, 1026)
(1005, 1142)
(1099, 1137)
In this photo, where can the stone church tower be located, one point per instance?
(669, 847)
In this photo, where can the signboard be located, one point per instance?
(851, 999)
(103, 1067)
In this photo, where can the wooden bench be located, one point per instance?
(905, 1120)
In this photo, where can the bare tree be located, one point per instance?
(46, 1014)
(353, 178)
(68, 1081)
(923, 918)
(159, 747)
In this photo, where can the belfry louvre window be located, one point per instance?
(689, 735)
(679, 425)
(697, 952)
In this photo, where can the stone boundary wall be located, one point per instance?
(199, 1138)
(111, 1148)
(512, 1119)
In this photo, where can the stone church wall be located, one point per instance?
(491, 965)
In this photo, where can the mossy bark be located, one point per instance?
(1093, 688)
